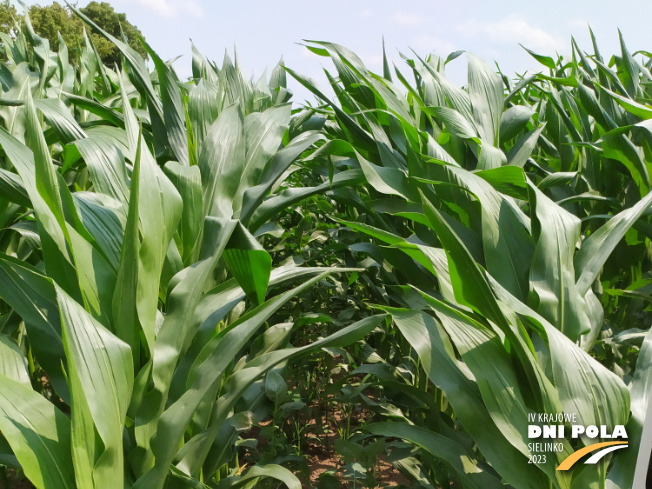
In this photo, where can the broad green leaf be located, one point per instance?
(44, 195)
(59, 117)
(630, 69)
(506, 241)
(221, 162)
(258, 472)
(546, 61)
(96, 108)
(390, 181)
(585, 387)
(456, 123)
(553, 292)
(124, 304)
(13, 363)
(39, 435)
(12, 188)
(105, 162)
(159, 210)
(103, 218)
(520, 153)
(274, 171)
(249, 263)
(513, 121)
(206, 372)
(438, 360)
(196, 450)
(187, 181)
(621, 473)
(289, 196)
(263, 136)
(177, 329)
(490, 157)
(95, 276)
(487, 94)
(32, 296)
(597, 248)
(461, 460)
(631, 105)
(136, 63)
(173, 108)
(103, 369)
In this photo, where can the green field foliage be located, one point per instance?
(185, 261)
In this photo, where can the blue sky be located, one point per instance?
(264, 31)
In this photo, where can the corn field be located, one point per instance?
(186, 262)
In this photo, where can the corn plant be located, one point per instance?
(504, 229)
(502, 264)
(132, 280)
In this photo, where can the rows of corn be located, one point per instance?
(490, 246)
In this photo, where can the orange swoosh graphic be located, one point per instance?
(571, 459)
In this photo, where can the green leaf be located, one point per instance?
(456, 123)
(261, 472)
(124, 303)
(178, 329)
(59, 117)
(554, 293)
(32, 296)
(138, 69)
(621, 473)
(12, 188)
(174, 116)
(221, 161)
(438, 360)
(513, 121)
(187, 181)
(487, 98)
(597, 248)
(459, 458)
(105, 162)
(249, 262)
(13, 363)
(206, 372)
(159, 210)
(263, 135)
(546, 61)
(39, 435)
(274, 171)
(631, 105)
(272, 206)
(523, 148)
(585, 387)
(102, 375)
(44, 195)
(195, 451)
(390, 181)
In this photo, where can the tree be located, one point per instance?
(7, 16)
(116, 24)
(51, 20)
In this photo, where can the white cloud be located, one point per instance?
(366, 14)
(407, 19)
(514, 29)
(170, 8)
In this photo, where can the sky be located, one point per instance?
(263, 31)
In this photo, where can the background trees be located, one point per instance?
(50, 21)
